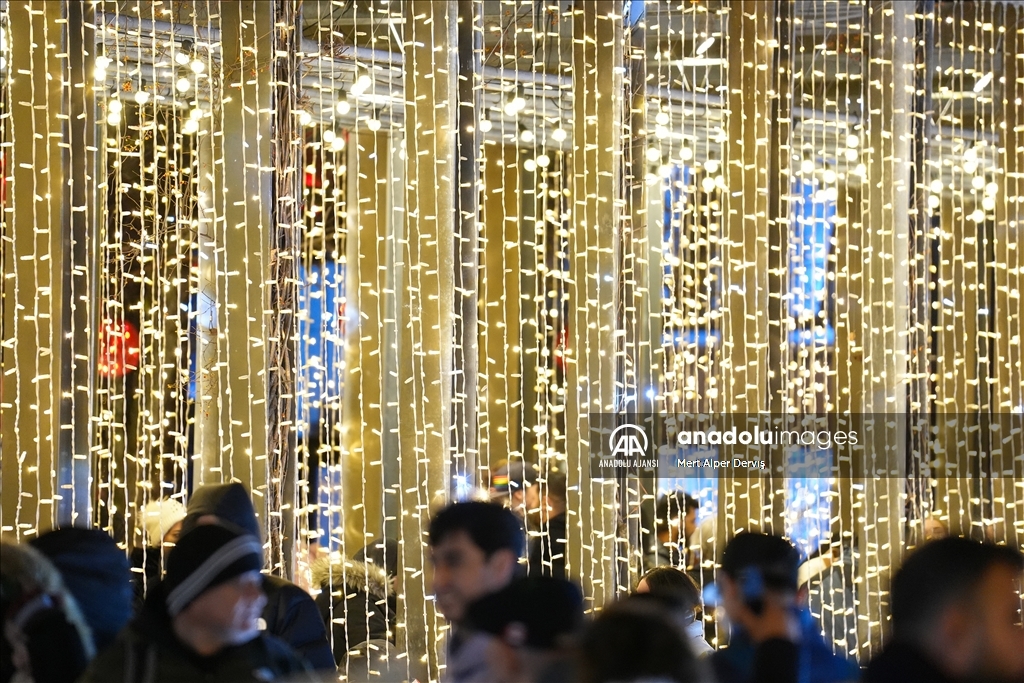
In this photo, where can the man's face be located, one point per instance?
(997, 631)
(232, 608)
(463, 573)
(690, 523)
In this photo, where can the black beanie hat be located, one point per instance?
(544, 609)
(231, 503)
(206, 557)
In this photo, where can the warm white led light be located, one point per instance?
(543, 160)
(197, 66)
(182, 84)
(373, 124)
(559, 134)
(530, 165)
(342, 107)
(653, 154)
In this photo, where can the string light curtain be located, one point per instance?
(359, 254)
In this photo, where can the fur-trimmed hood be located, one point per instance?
(352, 574)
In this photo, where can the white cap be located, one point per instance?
(158, 516)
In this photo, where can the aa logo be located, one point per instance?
(628, 441)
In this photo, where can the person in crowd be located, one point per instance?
(353, 603)
(772, 637)
(637, 639)
(383, 553)
(474, 550)
(509, 486)
(934, 529)
(45, 637)
(161, 524)
(521, 634)
(201, 623)
(675, 522)
(290, 613)
(682, 595)
(97, 574)
(955, 616)
(548, 548)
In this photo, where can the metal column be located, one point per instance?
(33, 345)
(597, 65)
(884, 306)
(425, 319)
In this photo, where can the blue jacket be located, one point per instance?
(809, 661)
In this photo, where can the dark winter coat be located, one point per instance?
(290, 614)
(903, 663)
(148, 650)
(354, 601)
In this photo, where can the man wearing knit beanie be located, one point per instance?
(290, 613)
(201, 622)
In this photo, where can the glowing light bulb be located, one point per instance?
(543, 161)
(853, 141)
(970, 166)
(115, 106)
(933, 201)
(180, 58)
(653, 154)
(526, 135)
(559, 134)
(486, 125)
(978, 216)
(195, 114)
(992, 188)
(113, 118)
(978, 183)
(191, 126)
(305, 118)
(707, 184)
(328, 136)
(530, 165)
(102, 62)
(829, 176)
(342, 107)
(141, 97)
(197, 66)
(988, 203)
(515, 103)
(935, 186)
(662, 118)
(99, 74)
(712, 165)
(337, 144)
(852, 155)
(660, 132)
(373, 124)
(664, 170)
(362, 84)
(686, 154)
(182, 85)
